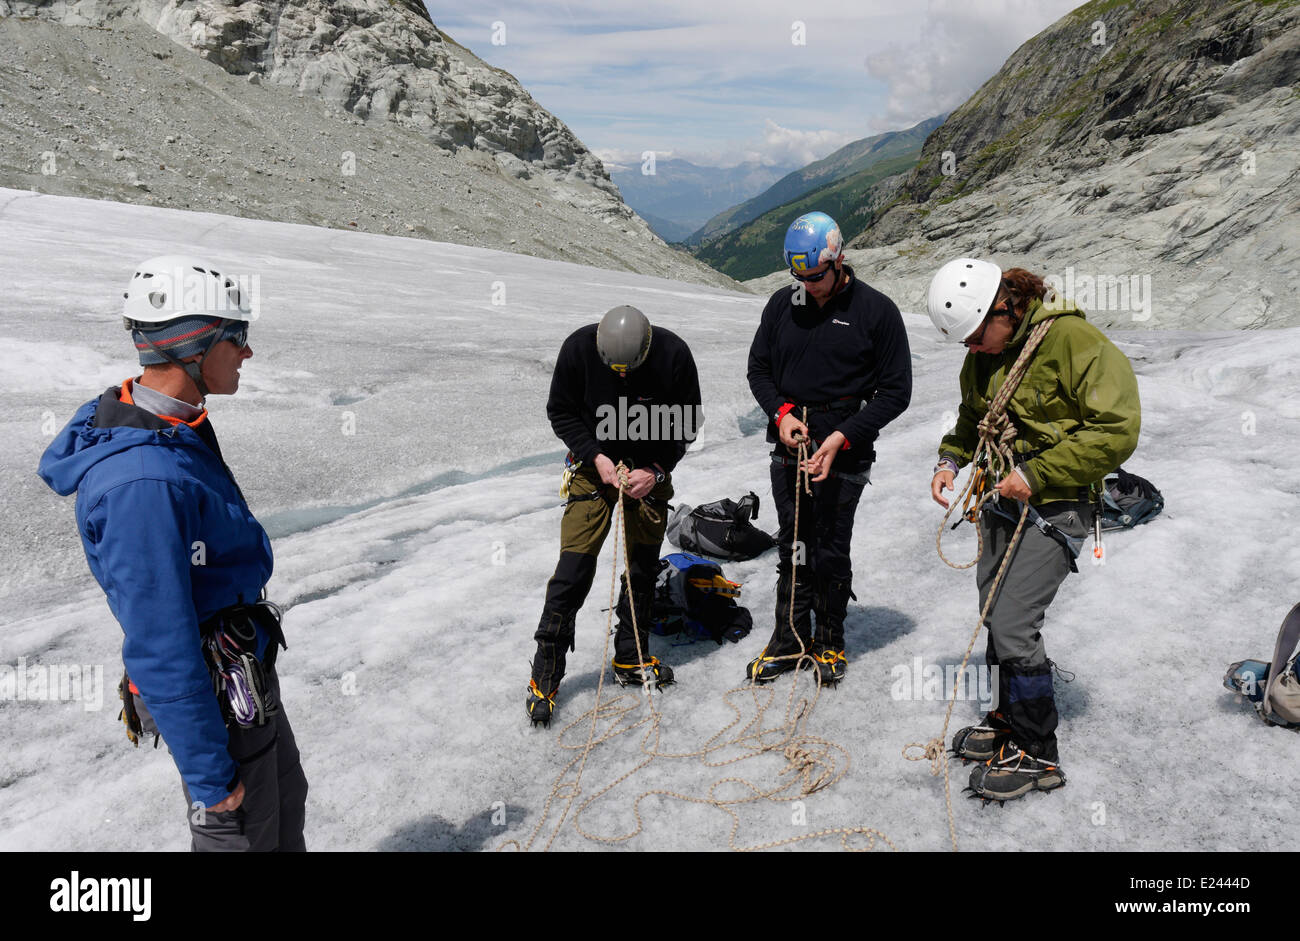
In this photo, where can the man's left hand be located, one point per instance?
(640, 482)
(819, 465)
(1014, 487)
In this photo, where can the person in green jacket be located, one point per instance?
(1076, 415)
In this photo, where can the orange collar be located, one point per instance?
(126, 397)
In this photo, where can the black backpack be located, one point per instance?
(720, 530)
(693, 598)
(1129, 500)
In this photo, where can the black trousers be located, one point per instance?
(820, 571)
(273, 813)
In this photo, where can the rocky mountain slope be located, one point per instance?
(1132, 148)
(358, 113)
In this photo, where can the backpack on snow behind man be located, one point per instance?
(693, 597)
(1273, 688)
(721, 530)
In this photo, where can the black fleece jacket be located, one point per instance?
(851, 351)
(648, 417)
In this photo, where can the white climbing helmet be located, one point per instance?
(172, 286)
(961, 293)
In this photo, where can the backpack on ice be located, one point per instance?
(1273, 688)
(693, 597)
(1128, 500)
(721, 530)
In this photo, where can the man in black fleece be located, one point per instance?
(837, 348)
(622, 392)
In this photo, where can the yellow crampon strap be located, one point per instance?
(717, 585)
(532, 686)
(652, 662)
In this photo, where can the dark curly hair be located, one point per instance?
(1020, 287)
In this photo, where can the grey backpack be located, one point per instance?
(1282, 694)
(1273, 688)
(720, 530)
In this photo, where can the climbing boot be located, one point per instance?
(638, 674)
(831, 664)
(1013, 773)
(764, 669)
(981, 742)
(540, 706)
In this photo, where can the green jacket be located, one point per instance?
(1077, 405)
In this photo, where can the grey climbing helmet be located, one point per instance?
(623, 339)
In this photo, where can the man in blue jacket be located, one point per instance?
(170, 539)
(829, 365)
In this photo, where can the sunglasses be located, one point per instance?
(237, 335)
(978, 337)
(811, 278)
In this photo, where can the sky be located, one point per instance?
(719, 83)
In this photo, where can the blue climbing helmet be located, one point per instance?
(812, 239)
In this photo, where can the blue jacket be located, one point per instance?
(171, 541)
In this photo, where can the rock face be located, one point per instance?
(1151, 141)
(380, 63)
(379, 59)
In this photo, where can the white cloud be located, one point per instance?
(961, 46)
(777, 147)
(721, 83)
(615, 158)
(789, 147)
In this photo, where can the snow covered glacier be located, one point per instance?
(390, 432)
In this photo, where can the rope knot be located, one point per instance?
(932, 751)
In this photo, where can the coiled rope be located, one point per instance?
(812, 763)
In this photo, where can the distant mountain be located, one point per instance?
(684, 195)
(754, 249)
(850, 159)
(666, 229)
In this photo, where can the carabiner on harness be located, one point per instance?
(971, 508)
(238, 678)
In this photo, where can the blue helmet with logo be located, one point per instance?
(812, 239)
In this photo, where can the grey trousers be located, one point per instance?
(1026, 698)
(273, 813)
(1036, 572)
